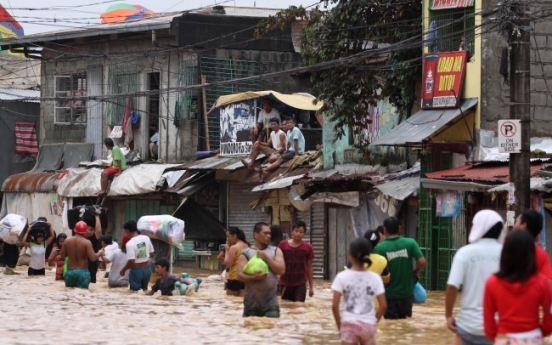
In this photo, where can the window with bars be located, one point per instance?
(69, 109)
(454, 30)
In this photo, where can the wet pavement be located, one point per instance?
(39, 310)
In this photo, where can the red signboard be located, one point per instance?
(443, 78)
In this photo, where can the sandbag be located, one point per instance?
(163, 227)
(11, 226)
(86, 213)
(254, 265)
(420, 294)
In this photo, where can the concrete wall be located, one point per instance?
(496, 93)
(274, 61)
(177, 144)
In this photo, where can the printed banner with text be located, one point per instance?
(236, 120)
(443, 78)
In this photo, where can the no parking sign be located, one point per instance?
(509, 136)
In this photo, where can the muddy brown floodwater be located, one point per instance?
(39, 310)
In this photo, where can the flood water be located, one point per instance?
(39, 310)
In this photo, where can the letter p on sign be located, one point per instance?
(509, 136)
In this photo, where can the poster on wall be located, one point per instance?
(372, 211)
(443, 78)
(236, 120)
(448, 204)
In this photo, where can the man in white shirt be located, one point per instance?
(273, 148)
(117, 258)
(109, 246)
(471, 266)
(265, 114)
(295, 146)
(139, 251)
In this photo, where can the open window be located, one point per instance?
(69, 108)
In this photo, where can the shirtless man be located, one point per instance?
(79, 250)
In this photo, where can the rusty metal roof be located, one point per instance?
(218, 163)
(483, 172)
(31, 182)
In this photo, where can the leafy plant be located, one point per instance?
(386, 35)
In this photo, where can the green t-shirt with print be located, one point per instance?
(401, 254)
(118, 155)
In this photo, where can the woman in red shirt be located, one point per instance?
(516, 293)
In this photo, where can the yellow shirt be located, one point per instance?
(379, 263)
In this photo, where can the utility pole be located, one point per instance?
(520, 98)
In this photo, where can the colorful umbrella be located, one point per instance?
(9, 27)
(123, 12)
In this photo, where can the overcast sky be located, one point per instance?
(69, 13)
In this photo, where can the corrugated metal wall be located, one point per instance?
(318, 239)
(240, 213)
(94, 127)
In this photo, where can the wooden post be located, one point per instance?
(205, 118)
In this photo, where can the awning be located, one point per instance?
(455, 185)
(423, 125)
(298, 101)
(200, 224)
(400, 189)
(277, 183)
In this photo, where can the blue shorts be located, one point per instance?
(139, 278)
(79, 278)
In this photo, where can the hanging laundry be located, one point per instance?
(432, 34)
(26, 142)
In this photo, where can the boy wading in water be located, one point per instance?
(298, 256)
(166, 282)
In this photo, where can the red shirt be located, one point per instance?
(517, 305)
(543, 262)
(296, 259)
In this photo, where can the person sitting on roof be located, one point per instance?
(153, 145)
(266, 113)
(273, 148)
(119, 164)
(295, 145)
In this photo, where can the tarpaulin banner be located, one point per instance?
(236, 121)
(443, 78)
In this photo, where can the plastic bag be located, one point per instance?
(11, 227)
(420, 294)
(163, 227)
(254, 265)
(65, 265)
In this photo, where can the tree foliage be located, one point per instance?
(372, 50)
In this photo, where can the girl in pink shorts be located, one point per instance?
(355, 316)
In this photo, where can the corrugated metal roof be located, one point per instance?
(400, 189)
(31, 182)
(423, 125)
(19, 94)
(495, 172)
(146, 24)
(218, 163)
(538, 184)
(238, 11)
